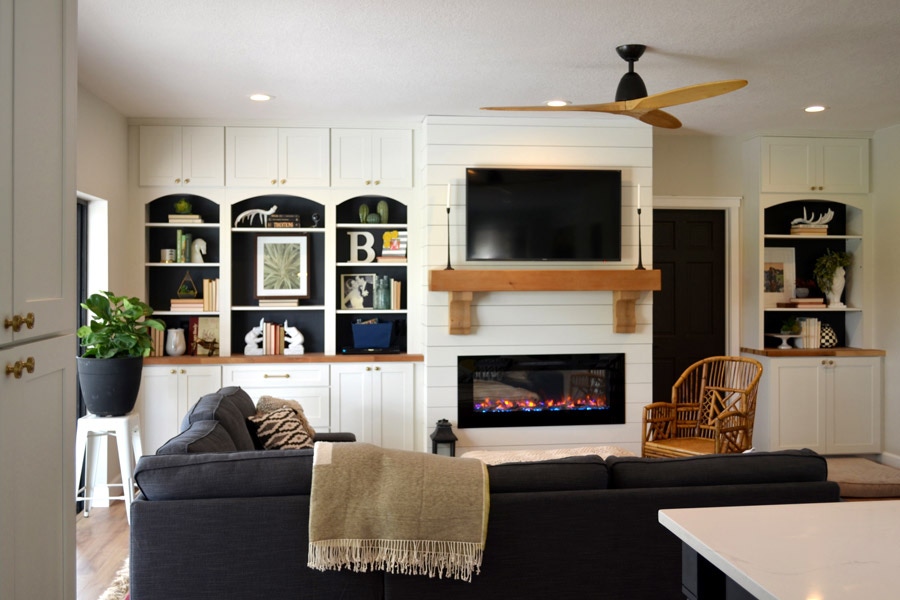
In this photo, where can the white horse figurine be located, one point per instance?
(255, 212)
(294, 340)
(254, 340)
(198, 250)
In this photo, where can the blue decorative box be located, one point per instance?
(372, 335)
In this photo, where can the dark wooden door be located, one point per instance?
(689, 311)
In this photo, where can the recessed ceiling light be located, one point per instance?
(557, 103)
(815, 108)
(260, 97)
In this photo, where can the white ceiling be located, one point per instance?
(333, 60)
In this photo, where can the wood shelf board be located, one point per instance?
(499, 280)
(798, 352)
(312, 357)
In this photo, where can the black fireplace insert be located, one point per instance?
(537, 390)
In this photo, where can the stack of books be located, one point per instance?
(179, 218)
(279, 302)
(182, 246)
(810, 333)
(811, 303)
(283, 221)
(394, 247)
(802, 229)
(396, 297)
(188, 305)
(210, 295)
(158, 341)
(273, 339)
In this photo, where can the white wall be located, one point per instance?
(694, 165)
(886, 194)
(102, 173)
(522, 322)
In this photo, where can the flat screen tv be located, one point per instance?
(543, 214)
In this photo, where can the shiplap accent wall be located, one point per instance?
(533, 322)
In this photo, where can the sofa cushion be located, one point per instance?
(230, 406)
(201, 436)
(562, 474)
(785, 466)
(270, 403)
(259, 473)
(280, 429)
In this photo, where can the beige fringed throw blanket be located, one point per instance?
(397, 511)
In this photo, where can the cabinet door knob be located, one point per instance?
(368, 182)
(17, 367)
(377, 368)
(377, 182)
(173, 372)
(274, 181)
(813, 188)
(283, 181)
(178, 180)
(18, 320)
(368, 368)
(187, 180)
(821, 188)
(182, 371)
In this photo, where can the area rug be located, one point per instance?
(118, 589)
(863, 478)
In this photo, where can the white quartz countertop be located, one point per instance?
(830, 551)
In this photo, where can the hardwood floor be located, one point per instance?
(101, 546)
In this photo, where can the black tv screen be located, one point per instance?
(543, 214)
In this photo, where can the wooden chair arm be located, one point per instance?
(732, 432)
(658, 421)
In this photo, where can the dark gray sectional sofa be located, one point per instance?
(218, 520)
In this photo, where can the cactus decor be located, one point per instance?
(363, 212)
(382, 209)
(373, 218)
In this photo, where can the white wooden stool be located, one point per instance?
(90, 430)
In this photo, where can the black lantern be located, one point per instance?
(443, 440)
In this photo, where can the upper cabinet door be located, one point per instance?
(303, 159)
(202, 151)
(826, 165)
(37, 173)
(392, 157)
(171, 155)
(251, 156)
(371, 158)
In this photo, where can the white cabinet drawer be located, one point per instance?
(307, 384)
(275, 375)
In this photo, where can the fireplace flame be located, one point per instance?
(552, 404)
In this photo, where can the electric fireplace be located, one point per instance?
(536, 390)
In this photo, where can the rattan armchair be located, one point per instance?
(712, 410)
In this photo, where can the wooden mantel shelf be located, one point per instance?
(626, 286)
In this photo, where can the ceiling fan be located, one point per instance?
(632, 99)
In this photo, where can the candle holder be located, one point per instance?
(640, 265)
(448, 267)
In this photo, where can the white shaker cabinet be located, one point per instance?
(38, 95)
(305, 383)
(182, 156)
(830, 404)
(291, 157)
(167, 392)
(825, 165)
(375, 158)
(375, 402)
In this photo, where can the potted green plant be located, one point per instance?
(115, 344)
(830, 274)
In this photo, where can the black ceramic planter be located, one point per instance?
(110, 385)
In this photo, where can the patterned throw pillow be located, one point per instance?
(281, 430)
(270, 403)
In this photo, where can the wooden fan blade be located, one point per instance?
(659, 118)
(542, 107)
(684, 95)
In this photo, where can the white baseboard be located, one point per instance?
(891, 460)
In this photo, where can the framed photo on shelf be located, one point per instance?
(282, 266)
(357, 291)
(778, 276)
